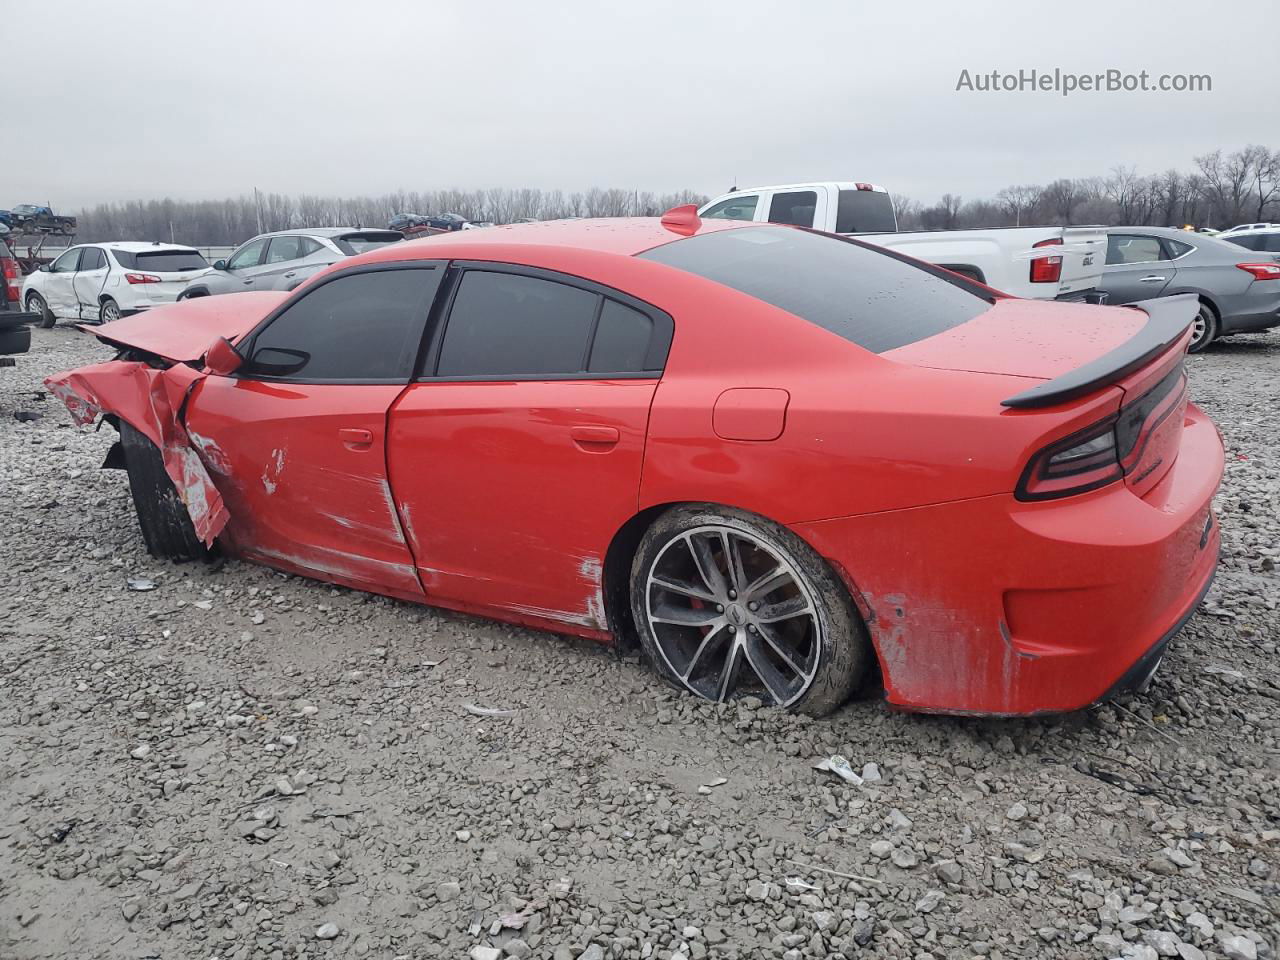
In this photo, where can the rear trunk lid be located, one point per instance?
(182, 332)
(1067, 351)
(173, 269)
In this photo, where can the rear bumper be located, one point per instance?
(1252, 323)
(994, 606)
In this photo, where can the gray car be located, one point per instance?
(1239, 291)
(283, 260)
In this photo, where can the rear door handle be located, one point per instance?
(595, 438)
(1151, 279)
(355, 438)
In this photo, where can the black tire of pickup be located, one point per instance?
(162, 516)
(15, 340)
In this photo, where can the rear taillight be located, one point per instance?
(1047, 269)
(141, 278)
(1083, 461)
(1106, 451)
(1261, 271)
(12, 278)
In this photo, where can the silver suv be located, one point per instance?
(283, 260)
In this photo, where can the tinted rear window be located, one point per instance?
(161, 261)
(353, 243)
(868, 296)
(865, 211)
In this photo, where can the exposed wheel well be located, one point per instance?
(1217, 314)
(965, 270)
(615, 580)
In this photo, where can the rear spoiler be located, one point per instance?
(1167, 320)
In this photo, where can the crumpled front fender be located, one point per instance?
(150, 401)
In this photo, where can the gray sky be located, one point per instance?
(148, 98)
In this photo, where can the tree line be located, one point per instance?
(234, 220)
(1222, 190)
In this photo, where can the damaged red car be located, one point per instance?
(776, 457)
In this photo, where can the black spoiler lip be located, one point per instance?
(1167, 320)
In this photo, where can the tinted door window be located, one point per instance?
(862, 293)
(795, 208)
(1270, 242)
(310, 246)
(735, 208)
(92, 259)
(247, 256)
(284, 248)
(67, 262)
(503, 324)
(1130, 248)
(361, 327)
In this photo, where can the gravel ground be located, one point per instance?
(244, 764)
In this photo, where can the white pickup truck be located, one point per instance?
(1041, 263)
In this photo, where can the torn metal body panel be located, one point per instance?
(149, 399)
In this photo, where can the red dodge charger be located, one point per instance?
(773, 456)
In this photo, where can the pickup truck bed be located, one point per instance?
(1041, 263)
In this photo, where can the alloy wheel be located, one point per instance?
(731, 615)
(110, 311)
(1199, 329)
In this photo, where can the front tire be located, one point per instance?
(1206, 330)
(36, 304)
(108, 310)
(162, 516)
(729, 604)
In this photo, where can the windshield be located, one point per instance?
(161, 261)
(353, 243)
(865, 211)
(871, 297)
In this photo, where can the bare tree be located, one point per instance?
(1063, 196)
(1227, 182)
(1018, 202)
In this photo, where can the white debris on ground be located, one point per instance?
(242, 764)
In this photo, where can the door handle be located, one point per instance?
(291, 273)
(1151, 279)
(595, 439)
(355, 438)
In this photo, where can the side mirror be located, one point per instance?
(45, 267)
(278, 362)
(222, 358)
(219, 264)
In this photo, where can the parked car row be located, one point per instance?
(101, 282)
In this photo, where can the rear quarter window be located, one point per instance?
(870, 297)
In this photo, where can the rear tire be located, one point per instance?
(1206, 330)
(36, 304)
(162, 516)
(108, 311)
(776, 623)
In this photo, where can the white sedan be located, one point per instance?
(101, 282)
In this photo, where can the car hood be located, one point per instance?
(1026, 338)
(183, 331)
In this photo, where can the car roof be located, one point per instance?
(626, 236)
(322, 232)
(137, 246)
